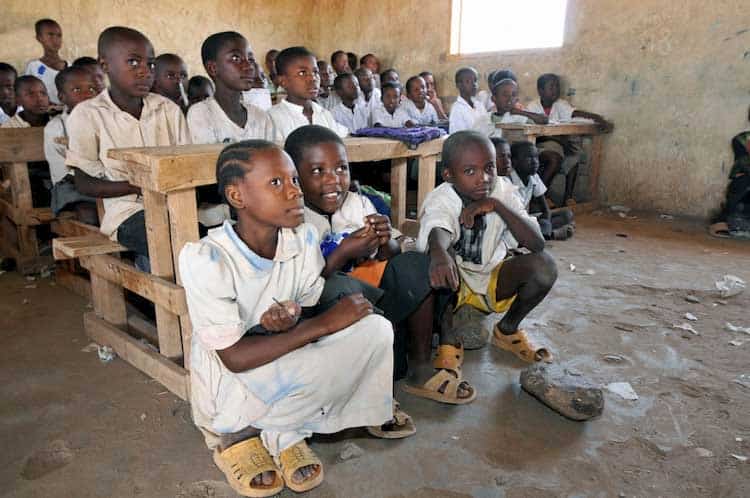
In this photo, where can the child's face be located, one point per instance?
(417, 92)
(392, 77)
(473, 173)
(348, 90)
(271, 61)
(170, 76)
(326, 74)
(98, 77)
(50, 36)
(77, 88)
(324, 175)
(341, 64)
(33, 98)
(551, 91)
(365, 80)
(429, 81)
(527, 161)
(7, 89)
(234, 66)
(269, 194)
(372, 64)
(505, 97)
(502, 159)
(129, 64)
(301, 78)
(467, 84)
(391, 98)
(200, 93)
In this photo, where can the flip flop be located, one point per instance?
(448, 378)
(400, 426)
(521, 345)
(295, 457)
(245, 460)
(719, 230)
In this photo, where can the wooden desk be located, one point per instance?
(530, 132)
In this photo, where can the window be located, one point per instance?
(495, 25)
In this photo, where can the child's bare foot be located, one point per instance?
(304, 473)
(399, 427)
(302, 469)
(420, 374)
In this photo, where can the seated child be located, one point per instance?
(416, 106)
(389, 76)
(93, 67)
(340, 62)
(8, 107)
(467, 226)
(369, 95)
(271, 74)
(350, 112)
(531, 190)
(355, 238)
(199, 89)
(74, 85)
(467, 109)
(298, 74)
(124, 115)
(502, 157)
(391, 114)
(505, 97)
(170, 74)
(49, 36)
(373, 64)
(262, 375)
(352, 58)
(224, 117)
(432, 95)
(327, 97)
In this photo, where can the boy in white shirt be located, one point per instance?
(170, 77)
(49, 36)
(416, 106)
(467, 225)
(298, 74)
(8, 107)
(350, 112)
(505, 98)
(391, 114)
(369, 95)
(467, 109)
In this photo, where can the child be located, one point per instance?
(124, 115)
(467, 109)
(505, 98)
(224, 117)
(416, 106)
(199, 89)
(389, 76)
(502, 157)
(264, 378)
(373, 64)
(369, 96)
(350, 112)
(259, 95)
(270, 62)
(93, 67)
(352, 58)
(432, 95)
(74, 85)
(327, 98)
(298, 74)
(8, 107)
(169, 79)
(49, 36)
(485, 96)
(391, 114)
(33, 101)
(353, 237)
(467, 226)
(340, 62)
(531, 189)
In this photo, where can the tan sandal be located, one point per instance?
(244, 461)
(521, 345)
(448, 356)
(294, 458)
(399, 427)
(448, 379)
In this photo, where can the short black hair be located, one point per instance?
(336, 54)
(411, 81)
(517, 147)
(496, 141)
(465, 70)
(491, 77)
(196, 82)
(504, 74)
(167, 59)
(305, 137)
(7, 68)
(85, 61)
(286, 56)
(389, 70)
(390, 84)
(66, 73)
(365, 57)
(456, 142)
(211, 45)
(502, 82)
(360, 71)
(41, 23)
(229, 167)
(338, 82)
(352, 59)
(426, 73)
(25, 80)
(117, 34)
(543, 79)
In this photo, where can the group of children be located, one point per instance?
(304, 306)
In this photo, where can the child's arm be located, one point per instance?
(443, 269)
(541, 202)
(521, 229)
(535, 117)
(381, 224)
(256, 350)
(359, 244)
(98, 187)
(605, 125)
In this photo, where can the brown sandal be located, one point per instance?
(448, 379)
(399, 427)
(242, 462)
(521, 345)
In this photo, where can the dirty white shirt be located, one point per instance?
(5, 118)
(349, 218)
(16, 122)
(353, 119)
(329, 102)
(47, 75)
(259, 97)
(535, 188)
(442, 208)
(209, 124)
(97, 125)
(287, 117)
(396, 120)
(375, 99)
(424, 117)
(463, 116)
(561, 112)
(53, 151)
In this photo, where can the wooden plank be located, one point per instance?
(158, 290)
(183, 223)
(595, 162)
(141, 327)
(20, 186)
(398, 191)
(139, 355)
(551, 130)
(76, 283)
(68, 227)
(27, 216)
(84, 245)
(109, 300)
(426, 178)
(22, 144)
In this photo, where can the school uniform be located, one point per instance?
(5, 118)
(259, 97)
(486, 124)
(47, 75)
(287, 117)
(354, 119)
(16, 121)
(485, 98)
(535, 187)
(228, 288)
(463, 115)
(329, 102)
(560, 112)
(422, 117)
(396, 120)
(374, 102)
(209, 124)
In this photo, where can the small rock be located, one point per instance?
(721, 302)
(613, 358)
(46, 460)
(106, 354)
(730, 285)
(735, 343)
(572, 267)
(468, 325)
(351, 450)
(143, 417)
(741, 458)
(692, 299)
(571, 396)
(623, 389)
(691, 317)
(703, 452)
(736, 328)
(738, 439)
(686, 327)
(666, 217)
(30, 279)
(26, 301)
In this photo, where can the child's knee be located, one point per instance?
(545, 270)
(379, 331)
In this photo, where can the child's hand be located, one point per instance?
(381, 224)
(443, 271)
(349, 310)
(281, 317)
(410, 124)
(604, 125)
(360, 244)
(475, 209)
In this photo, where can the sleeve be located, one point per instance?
(437, 212)
(340, 129)
(268, 130)
(83, 144)
(54, 152)
(512, 199)
(200, 129)
(539, 187)
(483, 125)
(29, 68)
(458, 119)
(566, 110)
(535, 106)
(376, 117)
(432, 114)
(311, 286)
(211, 296)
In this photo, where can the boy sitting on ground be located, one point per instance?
(467, 226)
(350, 112)
(199, 89)
(416, 106)
(467, 109)
(49, 35)
(391, 114)
(8, 106)
(169, 78)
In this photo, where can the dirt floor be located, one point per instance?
(72, 426)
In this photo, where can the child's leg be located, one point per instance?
(86, 213)
(549, 165)
(570, 183)
(132, 234)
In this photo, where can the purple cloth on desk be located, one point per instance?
(412, 137)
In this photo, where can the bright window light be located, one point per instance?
(496, 25)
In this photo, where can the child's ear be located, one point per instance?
(234, 196)
(103, 64)
(211, 69)
(447, 175)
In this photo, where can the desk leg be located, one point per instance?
(20, 189)
(596, 158)
(160, 256)
(398, 191)
(426, 180)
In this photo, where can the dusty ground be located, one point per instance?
(71, 426)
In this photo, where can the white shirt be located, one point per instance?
(259, 97)
(329, 102)
(353, 119)
(463, 116)
(535, 188)
(53, 151)
(442, 208)
(396, 120)
(16, 122)
(4, 117)
(561, 111)
(485, 124)
(47, 75)
(97, 125)
(375, 99)
(209, 124)
(425, 117)
(485, 98)
(349, 218)
(287, 117)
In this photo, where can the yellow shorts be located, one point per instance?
(484, 302)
